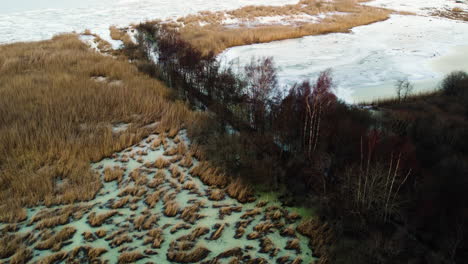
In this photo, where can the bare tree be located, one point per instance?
(262, 88)
(403, 89)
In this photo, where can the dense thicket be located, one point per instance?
(391, 180)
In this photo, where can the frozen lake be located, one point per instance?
(367, 62)
(26, 20)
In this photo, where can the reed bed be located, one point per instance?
(55, 119)
(207, 33)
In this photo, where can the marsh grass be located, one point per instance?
(207, 33)
(55, 120)
(130, 257)
(55, 242)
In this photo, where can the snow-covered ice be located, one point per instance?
(278, 20)
(370, 57)
(420, 7)
(29, 20)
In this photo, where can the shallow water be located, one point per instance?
(137, 158)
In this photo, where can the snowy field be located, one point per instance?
(27, 20)
(371, 56)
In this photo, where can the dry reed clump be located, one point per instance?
(54, 258)
(153, 198)
(88, 236)
(218, 232)
(120, 34)
(264, 227)
(190, 185)
(137, 191)
(119, 240)
(171, 209)
(197, 152)
(138, 177)
(55, 242)
(130, 257)
(120, 203)
(196, 255)
(112, 174)
(98, 219)
(155, 238)
(214, 36)
(36, 138)
(138, 222)
(101, 233)
(180, 226)
(228, 210)
(190, 213)
(294, 244)
(171, 152)
(150, 222)
(187, 161)
(23, 255)
(209, 175)
(175, 172)
(216, 194)
(91, 254)
(253, 235)
(238, 190)
(266, 245)
(161, 163)
(9, 244)
(288, 231)
(320, 234)
(251, 213)
(156, 182)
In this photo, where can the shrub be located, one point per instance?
(455, 83)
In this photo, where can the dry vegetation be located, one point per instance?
(206, 30)
(120, 34)
(55, 119)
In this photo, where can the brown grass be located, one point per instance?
(214, 36)
(171, 209)
(101, 233)
(98, 219)
(216, 195)
(55, 258)
(130, 257)
(139, 177)
(240, 191)
(21, 256)
(187, 161)
(9, 244)
(55, 242)
(195, 255)
(175, 172)
(150, 222)
(120, 203)
(122, 239)
(120, 34)
(153, 198)
(155, 237)
(161, 163)
(55, 120)
(209, 175)
(113, 174)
